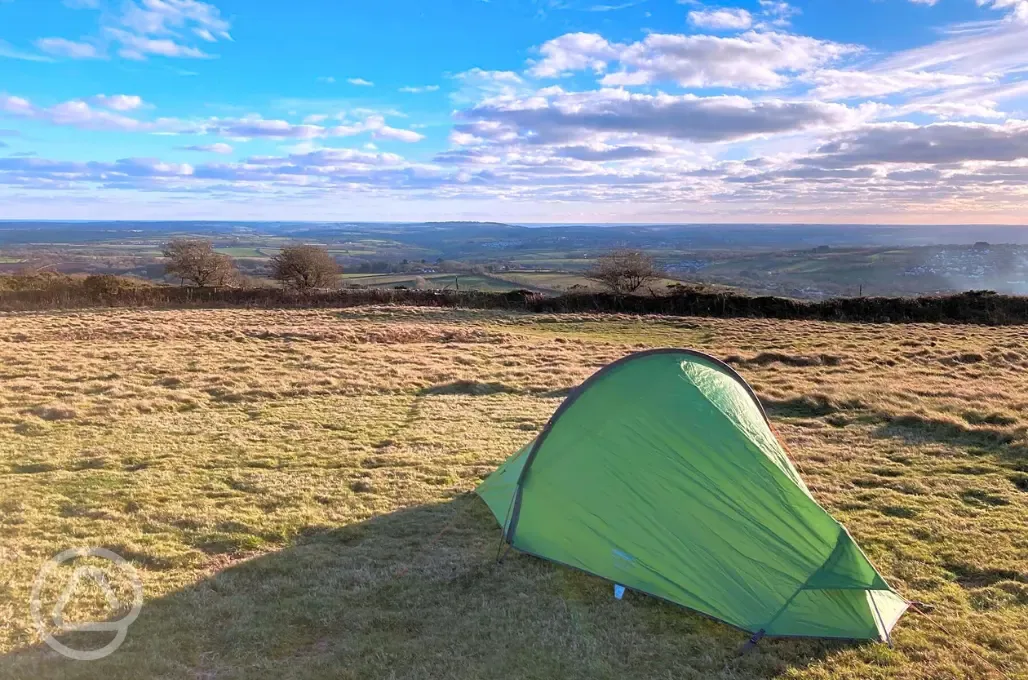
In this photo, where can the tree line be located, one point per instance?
(309, 267)
(300, 267)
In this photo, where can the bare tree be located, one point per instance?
(305, 267)
(195, 260)
(624, 271)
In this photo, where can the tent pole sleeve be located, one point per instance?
(515, 512)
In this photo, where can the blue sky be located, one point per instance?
(515, 110)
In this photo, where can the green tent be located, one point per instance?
(661, 473)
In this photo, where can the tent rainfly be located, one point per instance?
(661, 473)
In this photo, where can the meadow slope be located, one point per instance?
(293, 488)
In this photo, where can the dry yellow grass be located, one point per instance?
(280, 479)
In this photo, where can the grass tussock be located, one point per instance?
(293, 487)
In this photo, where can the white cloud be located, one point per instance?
(731, 19)
(144, 28)
(1018, 8)
(832, 84)
(483, 131)
(955, 110)
(476, 84)
(9, 51)
(117, 102)
(420, 89)
(975, 101)
(68, 48)
(138, 47)
(107, 112)
(79, 114)
(169, 17)
(379, 130)
(991, 47)
(464, 138)
(776, 14)
(386, 132)
(360, 82)
(613, 8)
(574, 52)
(17, 106)
(319, 170)
(256, 127)
(553, 116)
(333, 158)
(219, 147)
(326, 79)
(751, 60)
(938, 143)
(133, 170)
(606, 152)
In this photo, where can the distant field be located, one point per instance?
(353, 252)
(552, 262)
(561, 281)
(843, 271)
(556, 281)
(293, 488)
(138, 249)
(242, 252)
(447, 280)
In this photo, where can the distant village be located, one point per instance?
(1004, 266)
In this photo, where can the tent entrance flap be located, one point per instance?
(661, 473)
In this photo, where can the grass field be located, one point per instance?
(293, 489)
(450, 281)
(253, 253)
(561, 281)
(550, 280)
(843, 271)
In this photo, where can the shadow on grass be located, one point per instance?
(991, 435)
(415, 594)
(806, 406)
(1008, 445)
